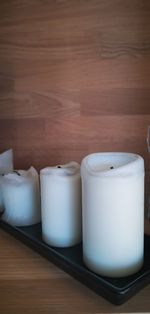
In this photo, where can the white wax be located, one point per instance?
(6, 166)
(113, 213)
(61, 205)
(6, 162)
(21, 198)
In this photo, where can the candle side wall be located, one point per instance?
(113, 220)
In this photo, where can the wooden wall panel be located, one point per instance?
(74, 78)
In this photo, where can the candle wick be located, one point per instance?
(111, 167)
(58, 166)
(17, 172)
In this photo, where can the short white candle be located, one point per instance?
(113, 213)
(61, 204)
(6, 166)
(21, 198)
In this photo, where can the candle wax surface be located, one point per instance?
(113, 213)
(61, 204)
(6, 166)
(21, 198)
(122, 163)
(6, 162)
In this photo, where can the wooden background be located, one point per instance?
(74, 78)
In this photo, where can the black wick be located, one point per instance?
(17, 172)
(111, 167)
(58, 166)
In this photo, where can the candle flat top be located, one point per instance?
(113, 164)
(71, 168)
(19, 177)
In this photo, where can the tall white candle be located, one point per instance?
(20, 191)
(113, 213)
(6, 166)
(61, 204)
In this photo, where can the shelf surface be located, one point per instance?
(70, 260)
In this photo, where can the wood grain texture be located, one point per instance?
(74, 78)
(31, 284)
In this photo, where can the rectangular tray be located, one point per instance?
(117, 291)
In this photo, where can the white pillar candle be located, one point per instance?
(61, 204)
(113, 213)
(6, 166)
(20, 191)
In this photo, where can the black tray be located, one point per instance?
(116, 291)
